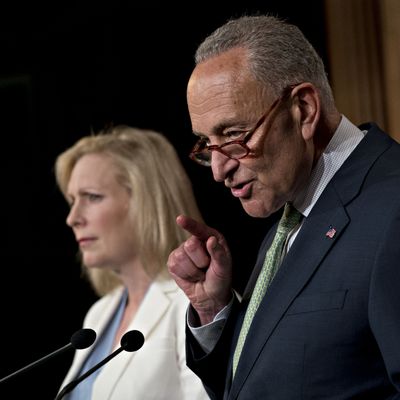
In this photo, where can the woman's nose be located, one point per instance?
(74, 217)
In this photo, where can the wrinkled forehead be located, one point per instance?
(219, 93)
(226, 77)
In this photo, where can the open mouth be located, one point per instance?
(241, 190)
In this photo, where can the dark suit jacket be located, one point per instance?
(329, 325)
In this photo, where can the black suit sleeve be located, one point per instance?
(212, 368)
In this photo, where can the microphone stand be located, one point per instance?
(75, 382)
(130, 341)
(38, 362)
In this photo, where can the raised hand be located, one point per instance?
(202, 268)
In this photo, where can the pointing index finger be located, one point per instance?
(195, 228)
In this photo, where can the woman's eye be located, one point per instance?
(94, 196)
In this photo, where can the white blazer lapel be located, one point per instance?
(151, 311)
(96, 318)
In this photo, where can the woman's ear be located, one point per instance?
(306, 100)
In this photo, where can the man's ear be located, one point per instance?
(307, 102)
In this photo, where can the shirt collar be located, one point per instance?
(345, 139)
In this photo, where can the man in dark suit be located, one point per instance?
(328, 323)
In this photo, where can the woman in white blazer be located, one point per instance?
(125, 187)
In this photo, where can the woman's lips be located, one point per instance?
(85, 241)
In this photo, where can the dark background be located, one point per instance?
(67, 70)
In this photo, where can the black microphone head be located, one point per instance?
(132, 340)
(83, 338)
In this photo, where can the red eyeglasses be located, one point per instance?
(235, 149)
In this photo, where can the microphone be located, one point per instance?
(130, 341)
(79, 340)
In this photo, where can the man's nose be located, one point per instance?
(222, 166)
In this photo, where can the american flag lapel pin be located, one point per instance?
(331, 232)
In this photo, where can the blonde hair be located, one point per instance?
(149, 167)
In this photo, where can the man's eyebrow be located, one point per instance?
(218, 129)
(200, 135)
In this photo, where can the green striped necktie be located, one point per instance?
(289, 220)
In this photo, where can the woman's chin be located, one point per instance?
(91, 263)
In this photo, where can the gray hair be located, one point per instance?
(279, 55)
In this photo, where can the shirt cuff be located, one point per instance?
(207, 335)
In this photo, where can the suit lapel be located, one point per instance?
(98, 323)
(311, 245)
(152, 309)
(294, 273)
